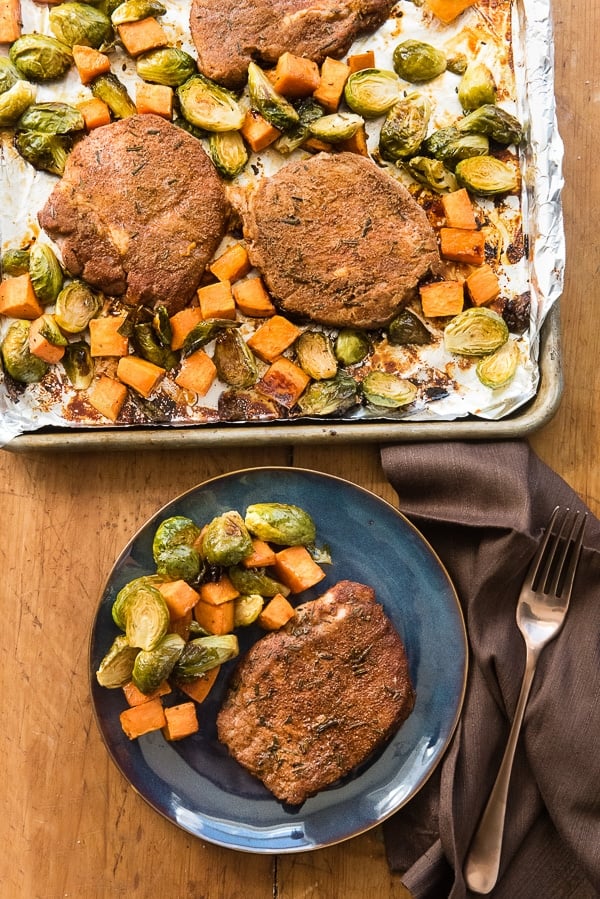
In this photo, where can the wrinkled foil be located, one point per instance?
(531, 98)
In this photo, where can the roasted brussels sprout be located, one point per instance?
(204, 332)
(407, 328)
(15, 262)
(14, 102)
(228, 153)
(450, 146)
(234, 360)
(308, 111)
(371, 92)
(282, 523)
(255, 580)
(351, 346)
(146, 616)
(166, 65)
(45, 272)
(150, 348)
(121, 601)
(80, 23)
(332, 396)
(268, 102)
(486, 176)
(208, 105)
(498, 369)
(200, 655)
(476, 87)
(432, 173)
(173, 549)
(135, 10)
(78, 364)
(417, 61)
(404, 128)
(51, 118)
(336, 127)
(386, 390)
(226, 540)
(76, 305)
(457, 63)
(116, 667)
(17, 359)
(9, 75)
(107, 87)
(493, 121)
(246, 609)
(45, 152)
(315, 355)
(475, 332)
(153, 666)
(40, 57)
(174, 531)
(179, 563)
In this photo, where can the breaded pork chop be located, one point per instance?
(138, 212)
(262, 30)
(338, 240)
(310, 702)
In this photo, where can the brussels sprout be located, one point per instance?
(204, 332)
(166, 65)
(382, 389)
(280, 523)
(225, 540)
(76, 306)
(179, 563)
(450, 145)
(51, 118)
(407, 328)
(404, 128)
(246, 609)
(119, 606)
(202, 654)
(336, 127)
(329, 397)
(107, 87)
(116, 667)
(45, 152)
(153, 666)
(17, 359)
(161, 324)
(476, 87)
(475, 332)
(9, 75)
(135, 10)
(266, 100)
(457, 63)
(486, 176)
(78, 364)
(315, 354)
(234, 360)
(39, 57)
(308, 111)
(15, 101)
(208, 105)
(255, 580)
(15, 262)
(80, 23)
(351, 346)
(45, 272)
(432, 173)
(228, 153)
(174, 531)
(416, 61)
(498, 369)
(151, 349)
(493, 121)
(146, 616)
(247, 404)
(371, 92)
(173, 549)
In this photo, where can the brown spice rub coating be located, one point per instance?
(261, 30)
(339, 240)
(310, 702)
(138, 212)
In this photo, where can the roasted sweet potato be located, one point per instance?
(216, 300)
(252, 299)
(18, 299)
(458, 210)
(134, 696)
(140, 374)
(483, 285)
(232, 264)
(108, 396)
(95, 113)
(181, 721)
(273, 337)
(295, 76)
(10, 21)
(276, 613)
(200, 687)
(215, 593)
(448, 10)
(105, 339)
(154, 99)
(145, 34)
(462, 245)
(284, 382)
(442, 298)
(182, 323)
(89, 63)
(179, 597)
(296, 569)
(197, 373)
(142, 719)
(334, 75)
(215, 619)
(257, 132)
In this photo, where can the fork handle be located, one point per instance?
(483, 859)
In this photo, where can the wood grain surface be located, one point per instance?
(70, 826)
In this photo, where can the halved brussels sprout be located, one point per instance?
(475, 332)
(166, 65)
(372, 92)
(51, 118)
(450, 145)
(208, 105)
(405, 127)
(151, 349)
(9, 75)
(282, 523)
(40, 57)
(80, 23)
(246, 609)
(119, 606)
(486, 176)
(407, 328)
(432, 173)
(351, 346)
(116, 667)
(255, 580)
(153, 666)
(45, 272)
(335, 127)
(308, 111)
(76, 305)
(14, 102)
(15, 262)
(225, 540)
(78, 364)
(135, 10)
(278, 111)
(203, 654)
(493, 121)
(17, 359)
(499, 368)
(247, 404)
(146, 616)
(386, 390)
(107, 87)
(332, 396)
(417, 61)
(314, 351)
(228, 153)
(204, 332)
(45, 152)
(476, 87)
(235, 361)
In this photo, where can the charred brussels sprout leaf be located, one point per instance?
(17, 359)
(450, 146)
(225, 540)
(51, 332)
(281, 523)
(202, 654)
(476, 87)
(153, 666)
(150, 348)
(457, 63)
(166, 65)
(39, 57)
(475, 332)
(499, 368)
(486, 176)
(351, 346)
(206, 104)
(51, 118)
(14, 102)
(45, 272)
(116, 667)
(315, 354)
(146, 617)
(371, 92)
(329, 397)
(407, 328)
(161, 324)
(278, 111)
(417, 61)
(80, 23)
(76, 306)
(246, 609)
(204, 332)
(404, 128)
(336, 127)
(388, 391)
(45, 152)
(9, 75)
(308, 111)
(135, 10)
(107, 87)
(432, 173)
(255, 580)
(78, 364)
(493, 121)
(234, 360)
(15, 262)
(228, 153)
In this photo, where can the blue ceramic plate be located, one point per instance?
(194, 782)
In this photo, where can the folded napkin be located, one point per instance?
(483, 507)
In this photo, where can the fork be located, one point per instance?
(541, 610)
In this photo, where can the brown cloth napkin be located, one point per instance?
(483, 507)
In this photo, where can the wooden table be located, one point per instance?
(70, 826)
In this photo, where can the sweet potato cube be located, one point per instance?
(273, 337)
(108, 396)
(40, 345)
(261, 557)
(105, 339)
(276, 613)
(296, 569)
(145, 34)
(181, 721)
(215, 619)
(18, 299)
(134, 695)
(197, 373)
(154, 99)
(359, 61)
(89, 63)
(142, 719)
(10, 21)
(295, 76)
(182, 323)
(179, 597)
(199, 688)
(284, 382)
(458, 210)
(216, 300)
(95, 113)
(483, 285)
(448, 10)
(442, 298)
(252, 299)
(232, 264)
(142, 375)
(334, 75)
(257, 132)
(357, 143)
(463, 245)
(217, 592)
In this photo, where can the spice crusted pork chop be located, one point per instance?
(262, 30)
(338, 240)
(310, 702)
(138, 212)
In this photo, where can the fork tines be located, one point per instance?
(559, 565)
